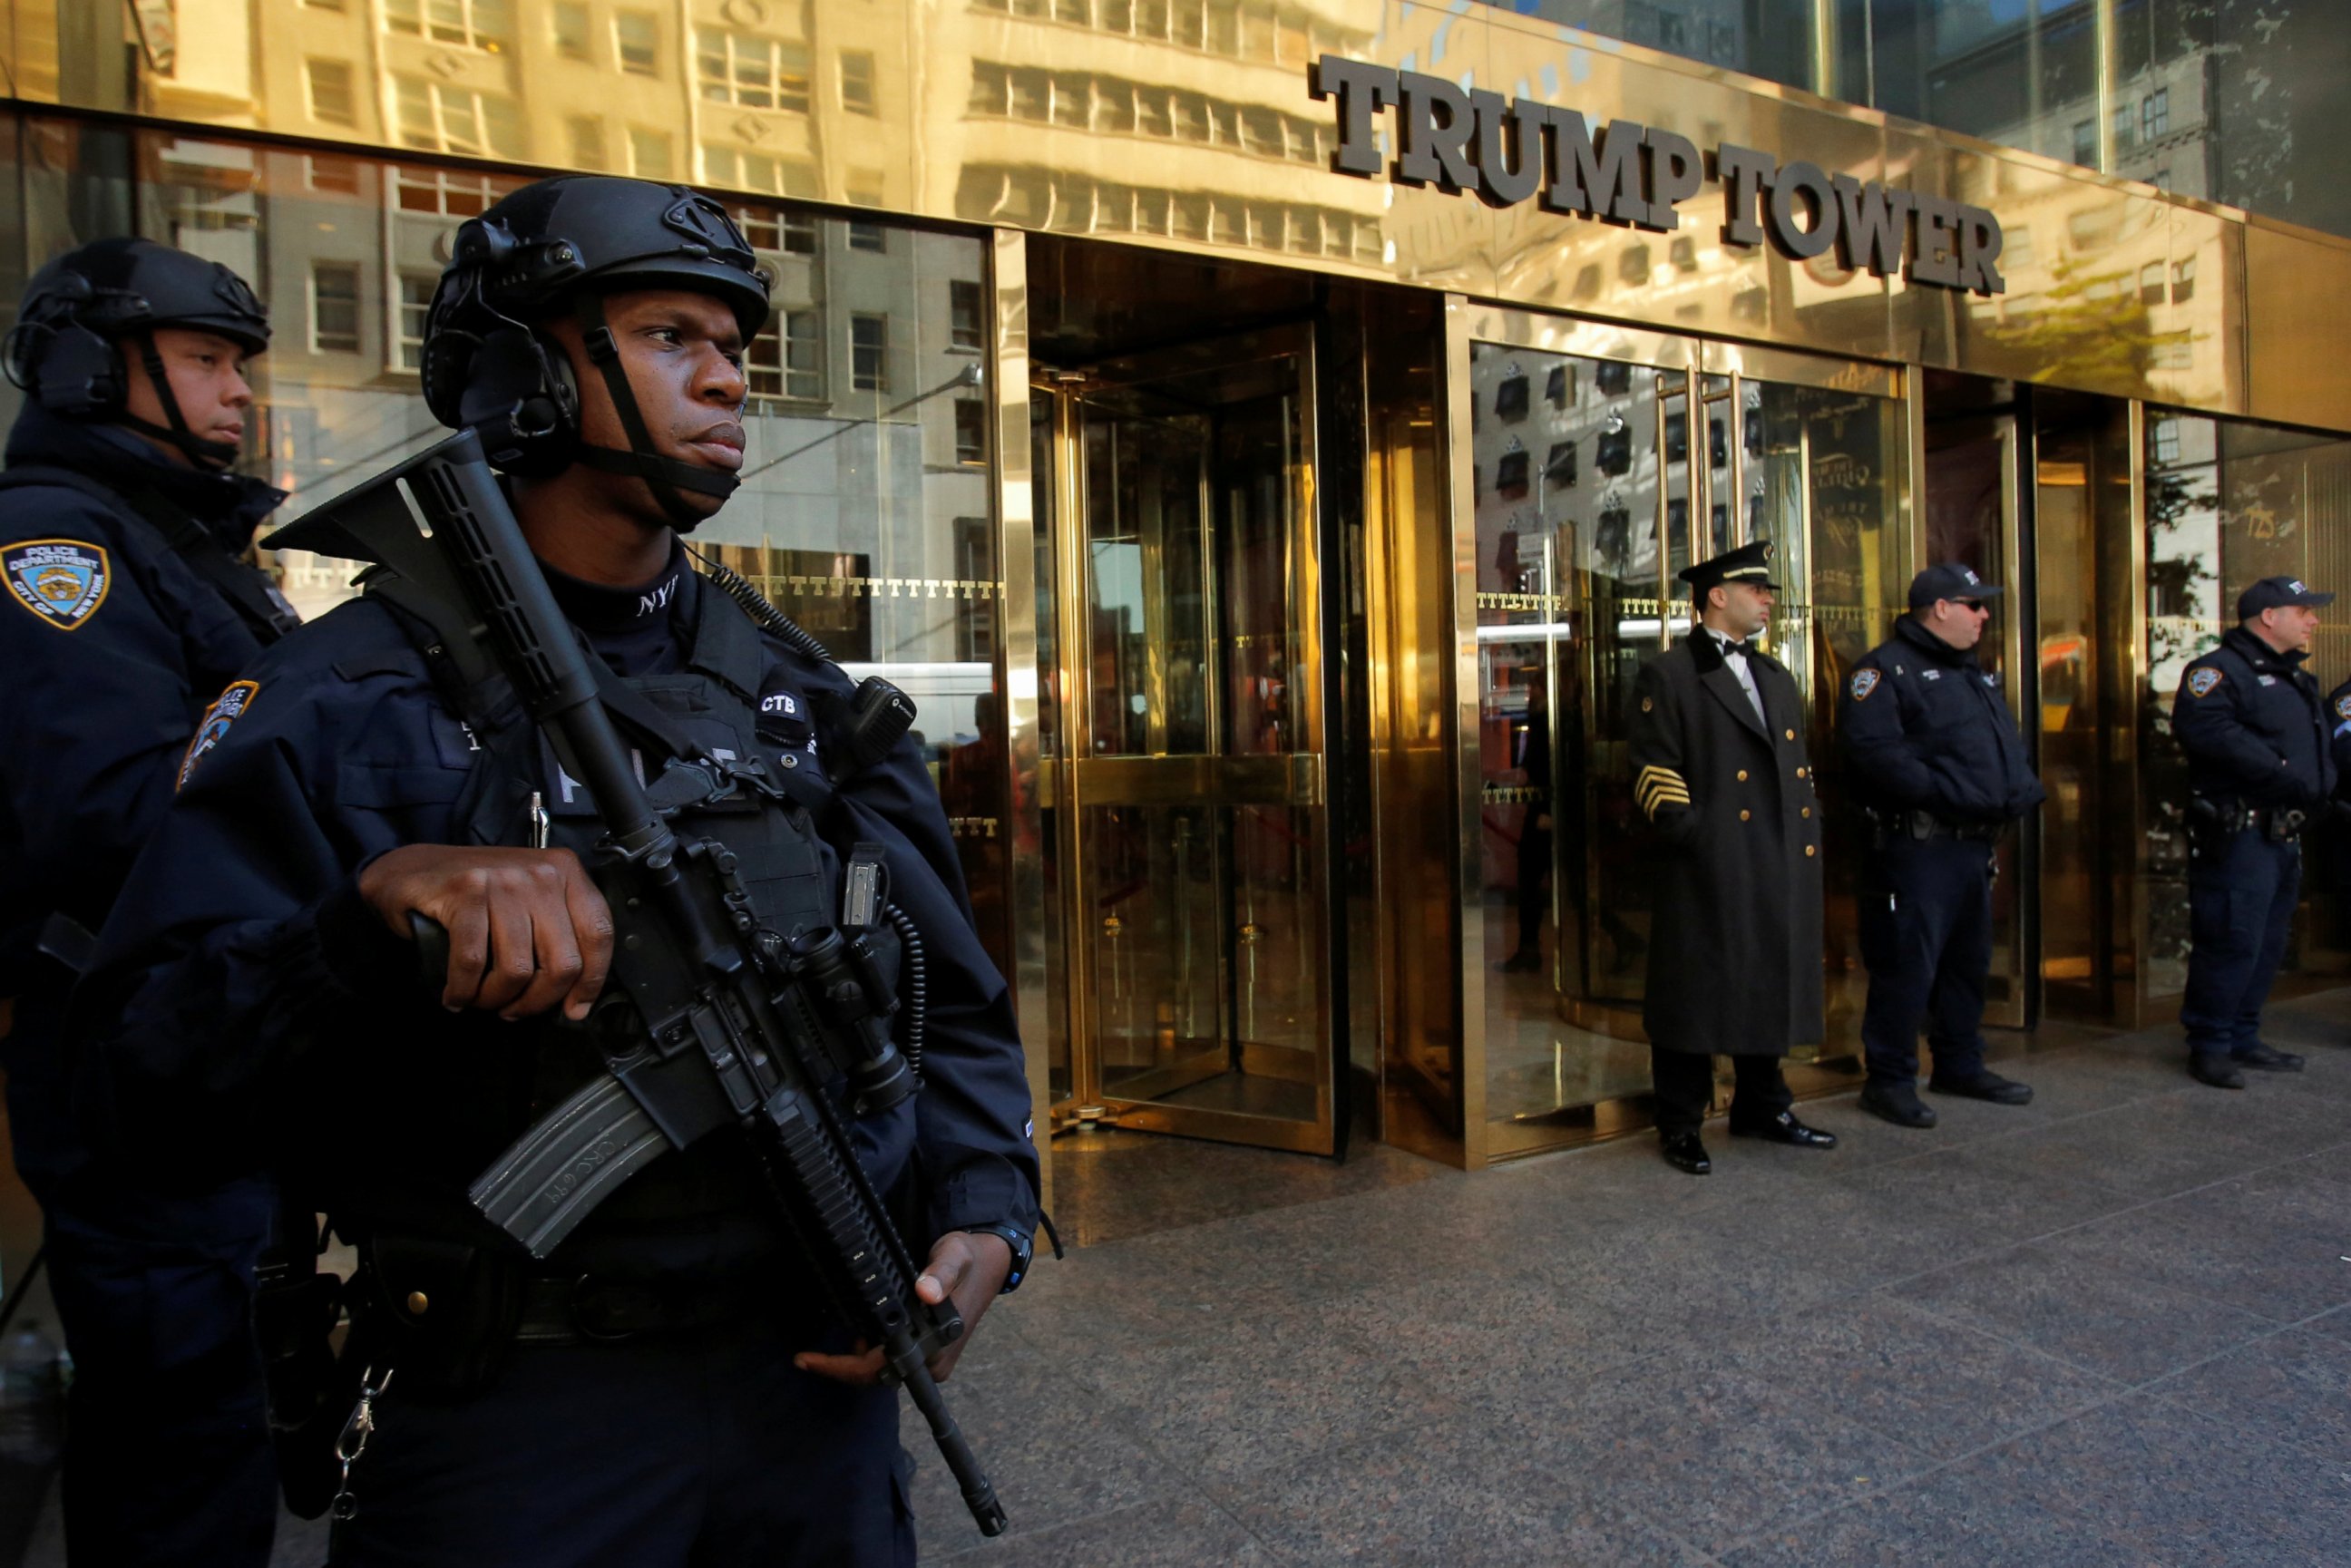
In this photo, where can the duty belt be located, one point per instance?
(583, 1309)
(1923, 824)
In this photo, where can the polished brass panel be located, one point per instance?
(1295, 780)
(1455, 411)
(965, 112)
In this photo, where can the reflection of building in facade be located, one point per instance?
(1234, 519)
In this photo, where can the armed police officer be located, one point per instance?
(667, 1386)
(123, 531)
(1936, 761)
(2260, 769)
(1720, 769)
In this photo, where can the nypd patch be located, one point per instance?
(63, 582)
(2343, 706)
(1863, 683)
(227, 709)
(2201, 682)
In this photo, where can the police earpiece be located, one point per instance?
(516, 392)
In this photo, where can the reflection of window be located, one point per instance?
(2125, 123)
(1587, 282)
(804, 354)
(2183, 281)
(2162, 180)
(331, 91)
(2150, 283)
(975, 562)
(571, 26)
(758, 225)
(1683, 254)
(2154, 115)
(1677, 437)
(2166, 441)
(1511, 476)
(474, 24)
(2085, 143)
(636, 42)
(585, 132)
(1559, 466)
(648, 153)
(757, 172)
(1557, 387)
(799, 234)
(970, 430)
(2174, 351)
(757, 73)
(869, 352)
(334, 307)
(868, 236)
(440, 118)
(340, 175)
(857, 82)
(1633, 264)
(408, 330)
(763, 360)
(446, 193)
(2093, 230)
(964, 314)
(1510, 397)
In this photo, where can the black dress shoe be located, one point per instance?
(1784, 1128)
(1521, 963)
(2218, 1072)
(1896, 1101)
(2265, 1059)
(1685, 1153)
(1984, 1085)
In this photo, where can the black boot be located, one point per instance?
(1896, 1100)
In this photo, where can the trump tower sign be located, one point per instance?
(1508, 150)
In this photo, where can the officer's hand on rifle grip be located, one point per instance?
(525, 930)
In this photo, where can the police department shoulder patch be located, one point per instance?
(2201, 682)
(226, 710)
(63, 582)
(2343, 706)
(1863, 683)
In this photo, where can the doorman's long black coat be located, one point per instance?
(1735, 947)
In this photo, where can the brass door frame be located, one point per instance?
(1468, 321)
(1080, 778)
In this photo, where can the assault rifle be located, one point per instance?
(740, 1025)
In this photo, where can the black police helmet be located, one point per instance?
(560, 246)
(81, 309)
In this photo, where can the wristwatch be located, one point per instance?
(1024, 1252)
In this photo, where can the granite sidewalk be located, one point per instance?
(2111, 1327)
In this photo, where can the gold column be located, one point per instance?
(1454, 402)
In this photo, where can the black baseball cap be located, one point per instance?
(1948, 580)
(2276, 593)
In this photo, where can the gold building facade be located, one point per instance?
(1270, 545)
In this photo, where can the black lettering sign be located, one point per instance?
(1505, 150)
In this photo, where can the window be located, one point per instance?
(2125, 126)
(799, 234)
(2162, 181)
(439, 117)
(757, 172)
(1510, 397)
(763, 360)
(857, 82)
(471, 23)
(648, 153)
(970, 430)
(334, 307)
(804, 354)
(2166, 441)
(450, 195)
(636, 42)
(2150, 283)
(1558, 387)
(585, 133)
(868, 236)
(339, 175)
(2174, 351)
(757, 73)
(330, 92)
(974, 561)
(2183, 281)
(965, 315)
(758, 225)
(2085, 143)
(869, 352)
(2154, 115)
(570, 20)
(408, 327)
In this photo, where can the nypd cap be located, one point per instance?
(2276, 593)
(1951, 579)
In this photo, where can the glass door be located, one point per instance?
(1191, 834)
(1603, 461)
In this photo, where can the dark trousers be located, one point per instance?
(2240, 899)
(167, 1453)
(1926, 934)
(1534, 864)
(1685, 1086)
(701, 1450)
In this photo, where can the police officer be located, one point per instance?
(1936, 759)
(2259, 767)
(1720, 771)
(122, 533)
(667, 1386)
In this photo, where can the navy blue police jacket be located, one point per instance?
(2338, 729)
(245, 987)
(113, 642)
(2254, 726)
(1924, 728)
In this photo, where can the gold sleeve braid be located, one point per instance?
(1656, 787)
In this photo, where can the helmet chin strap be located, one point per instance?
(212, 455)
(667, 478)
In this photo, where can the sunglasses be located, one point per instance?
(1978, 605)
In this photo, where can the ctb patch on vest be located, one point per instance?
(1863, 683)
(227, 709)
(63, 582)
(2201, 682)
